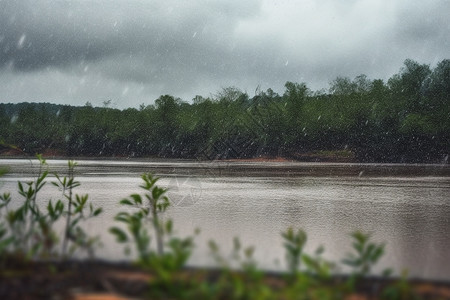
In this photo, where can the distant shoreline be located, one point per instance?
(319, 156)
(325, 156)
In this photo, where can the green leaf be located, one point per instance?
(97, 211)
(136, 198)
(55, 183)
(320, 250)
(125, 202)
(5, 243)
(121, 236)
(123, 217)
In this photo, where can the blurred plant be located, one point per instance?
(30, 227)
(400, 289)
(3, 171)
(5, 240)
(317, 266)
(29, 233)
(293, 245)
(239, 277)
(314, 281)
(148, 212)
(150, 209)
(74, 213)
(157, 204)
(365, 257)
(5, 198)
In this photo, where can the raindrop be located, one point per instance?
(58, 112)
(319, 117)
(360, 173)
(21, 41)
(286, 63)
(367, 122)
(14, 119)
(195, 33)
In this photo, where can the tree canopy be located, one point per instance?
(406, 119)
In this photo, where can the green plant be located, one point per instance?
(400, 289)
(318, 266)
(171, 252)
(314, 279)
(239, 277)
(149, 210)
(3, 171)
(5, 240)
(29, 233)
(366, 256)
(293, 244)
(138, 231)
(74, 212)
(29, 226)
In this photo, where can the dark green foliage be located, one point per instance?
(406, 119)
(239, 277)
(401, 289)
(366, 254)
(294, 243)
(78, 209)
(27, 232)
(171, 252)
(317, 266)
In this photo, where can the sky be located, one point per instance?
(133, 51)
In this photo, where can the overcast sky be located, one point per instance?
(131, 52)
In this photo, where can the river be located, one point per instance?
(405, 206)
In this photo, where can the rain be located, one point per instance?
(196, 48)
(264, 121)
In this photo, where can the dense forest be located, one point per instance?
(405, 119)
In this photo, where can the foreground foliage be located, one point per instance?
(28, 235)
(29, 231)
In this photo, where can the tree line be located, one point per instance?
(403, 119)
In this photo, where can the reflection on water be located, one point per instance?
(406, 206)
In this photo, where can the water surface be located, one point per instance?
(405, 206)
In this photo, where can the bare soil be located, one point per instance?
(97, 280)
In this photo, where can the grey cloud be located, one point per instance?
(422, 22)
(35, 37)
(36, 34)
(148, 48)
